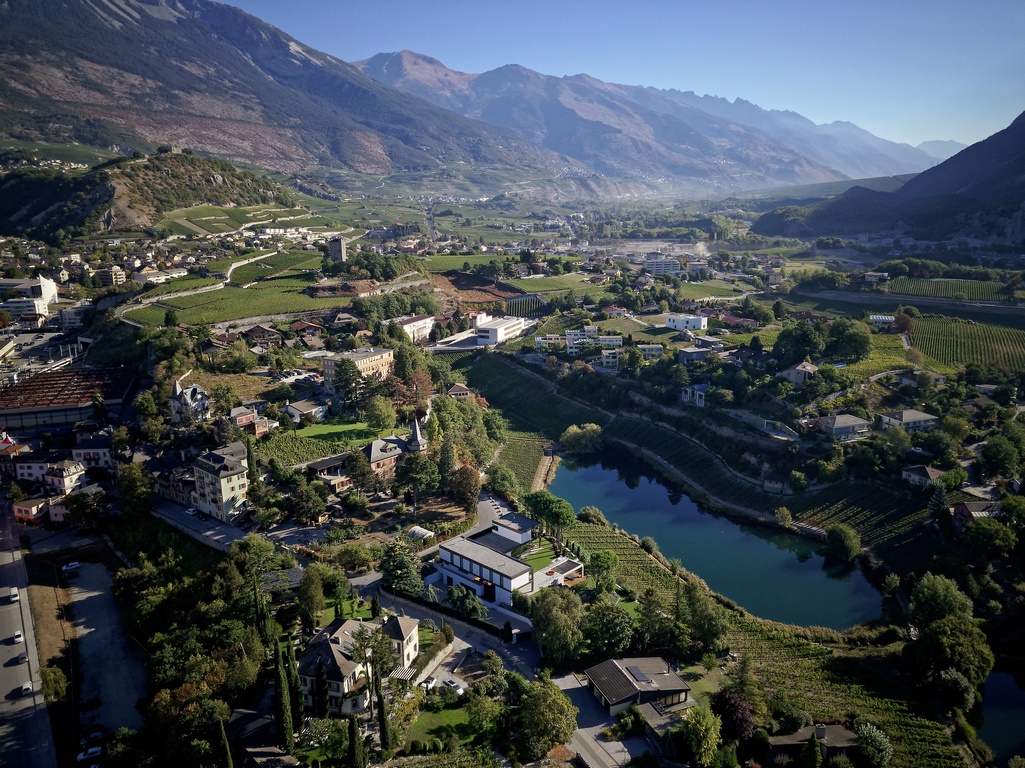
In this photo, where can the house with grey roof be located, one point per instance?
(187, 404)
(910, 419)
(833, 739)
(967, 512)
(843, 427)
(920, 475)
(618, 683)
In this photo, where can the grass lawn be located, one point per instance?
(540, 559)
(440, 725)
(696, 291)
(702, 684)
(572, 281)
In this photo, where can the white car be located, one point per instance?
(453, 684)
(90, 754)
(26, 688)
(18, 637)
(429, 683)
(191, 511)
(70, 567)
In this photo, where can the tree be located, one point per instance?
(492, 664)
(464, 487)
(557, 615)
(697, 737)
(586, 438)
(357, 757)
(134, 486)
(951, 643)
(608, 630)
(252, 475)
(446, 461)
(380, 414)
(295, 686)
(361, 474)
(811, 754)
(170, 318)
(483, 713)
(466, 602)
(146, 406)
(225, 747)
(999, 457)
(554, 512)
(354, 556)
(937, 597)
(1013, 508)
(321, 688)
(784, 517)
(311, 594)
(384, 729)
(348, 381)
(990, 539)
(99, 411)
(283, 707)
(707, 620)
(602, 566)
(547, 717)
(734, 710)
(224, 397)
(54, 684)
(418, 473)
(842, 542)
(400, 569)
(875, 745)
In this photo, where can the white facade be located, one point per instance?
(659, 264)
(221, 482)
(686, 322)
(499, 329)
(490, 574)
(417, 327)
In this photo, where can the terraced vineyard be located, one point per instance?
(522, 454)
(527, 403)
(956, 342)
(272, 297)
(274, 265)
(967, 290)
(290, 448)
(887, 354)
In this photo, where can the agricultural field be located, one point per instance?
(639, 330)
(221, 265)
(211, 219)
(522, 453)
(275, 265)
(698, 291)
(887, 354)
(529, 405)
(963, 290)
(955, 342)
(291, 448)
(271, 297)
(65, 153)
(446, 263)
(188, 283)
(571, 282)
(340, 431)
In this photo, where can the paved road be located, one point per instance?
(25, 735)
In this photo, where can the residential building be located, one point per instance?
(249, 419)
(687, 322)
(491, 574)
(30, 288)
(304, 328)
(689, 355)
(610, 358)
(843, 427)
(618, 683)
(221, 482)
(459, 391)
(660, 264)
(614, 311)
(708, 342)
(920, 475)
(651, 351)
(499, 329)
(832, 739)
(913, 378)
(30, 511)
(694, 395)
(881, 321)
(113, 275)
(188, 404)
(417, 327)
(910, 419)
(65, 476)
(347, 689)
(264, 335)
(373, 363)
(799, 374)
(404, 634)
(331, 471)
(305, 409)
(967, 512)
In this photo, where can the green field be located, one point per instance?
(697, 291)
(291, 448)
(955, 342)
(887, 354)
(189, 283)
(221, 265)
(444, 263)
(211, 219)
(571, 282)
(338, 430)
(966, 290)
(272, 297)
(522, 453)
(66, 153)
(275, 265)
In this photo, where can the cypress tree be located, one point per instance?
(251, 474)
(295, 686)
(357, 749)
(284, 708)
(382, 715)
(321, 703)
(375, 606)
(228, 762)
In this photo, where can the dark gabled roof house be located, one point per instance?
(618, 683)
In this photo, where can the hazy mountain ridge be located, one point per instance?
(676, 131)
(205, 75)
(942, 150)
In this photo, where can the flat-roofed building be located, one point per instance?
(56, 398)
(490, 574)
(499, 329)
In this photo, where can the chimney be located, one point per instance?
(820, 731)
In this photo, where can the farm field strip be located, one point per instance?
(522, 453)
(970, 290)
(955, 342)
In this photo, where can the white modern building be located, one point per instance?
(417, 327)
(499, 329)
(660, 264)
(687, 322)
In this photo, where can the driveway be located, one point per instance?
(592, 719)
(113, 668)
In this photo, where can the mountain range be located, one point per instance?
(139, 73)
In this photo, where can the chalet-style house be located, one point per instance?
(920, 475)
(843, 427)
(460, 391)
(833, 740)
(264, 335)
(618, 683)
(967, 512)
(799, 374)
(188, 404)
(910, 419)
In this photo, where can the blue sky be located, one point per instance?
(906, 70)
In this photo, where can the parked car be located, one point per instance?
(18, 637)
(26, 688)
(429, 683)
(453, 684)
(22, 658)
(191, 511)
(90, 754)
(70, 567)
(94, 735)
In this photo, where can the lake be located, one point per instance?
(770, 573)
(1000, 719)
